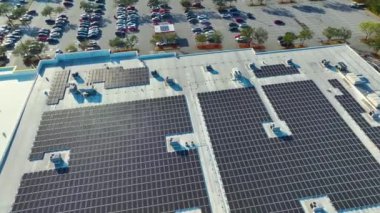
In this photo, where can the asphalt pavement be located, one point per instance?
(316, 15)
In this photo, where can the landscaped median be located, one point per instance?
(165, 41)
(252, 38)
(209, 40)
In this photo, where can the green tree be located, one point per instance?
(344, 33)
(156, 38)
(153, 3)
(47, 11)
(375, 43)
(59, 9)
(83, 45)
(86, 6)
(127, 2)
(330, 32)
(305, 34)
(260, 35)
(71, 48)
(171, 38)
(373, 5)
(201, 38)
(116, 42)
(220, 3)
(5, 8)
(217, 37)
(289, 38)
(3, 57)
(185, 3)
(369, 28)
(131, 42)
(29, 48)
(3, 50)
(247, 32)
(25, 23)
(230, 1)
(18, 12)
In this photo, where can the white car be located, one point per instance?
(202, 17)
(205, 22)
(226, 16)
(210, 32)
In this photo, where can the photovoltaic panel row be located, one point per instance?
(275, 70)
(58, 87)
(116, 77)
(355, 111)
(259, 174)
(118, 161)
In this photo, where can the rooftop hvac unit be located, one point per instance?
(341, 66)
(374, 99)
(355, 79)
(58, 161)
(317, 208)
(73, 88)
(326, 63)
(236, 74)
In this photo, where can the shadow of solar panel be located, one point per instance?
(275, 70)
(355, 111)
(116, 77)
(58, 87)
(266, 175)
(118, 161)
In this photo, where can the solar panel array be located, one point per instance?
(116, 77)
(260, 174)
(355, 111)
(58, 87)
(118, 161)
(275, 70)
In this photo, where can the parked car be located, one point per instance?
(242, 39)
(233, 29)
(205, 22)
(197, 5)
(251, 16)
(207, 28)
(239, 20)
(193, 21)
(32, 12)
(202, 17)
(279, 22)
(50, 21)
(226, 16)
(52, 41)
(244, 26)
(68, 3)
(42, 38)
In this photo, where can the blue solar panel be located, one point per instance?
(324, 157)
(118, 161)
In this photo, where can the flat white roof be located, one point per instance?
(14, 90)
(164, 28)
(189, 72)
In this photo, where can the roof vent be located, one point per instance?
(60, 165)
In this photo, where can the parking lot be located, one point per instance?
(316, 15)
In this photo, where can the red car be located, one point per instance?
(164, 11)
(132, 29)
(131, 8)
(42, 38)
(239, 20)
